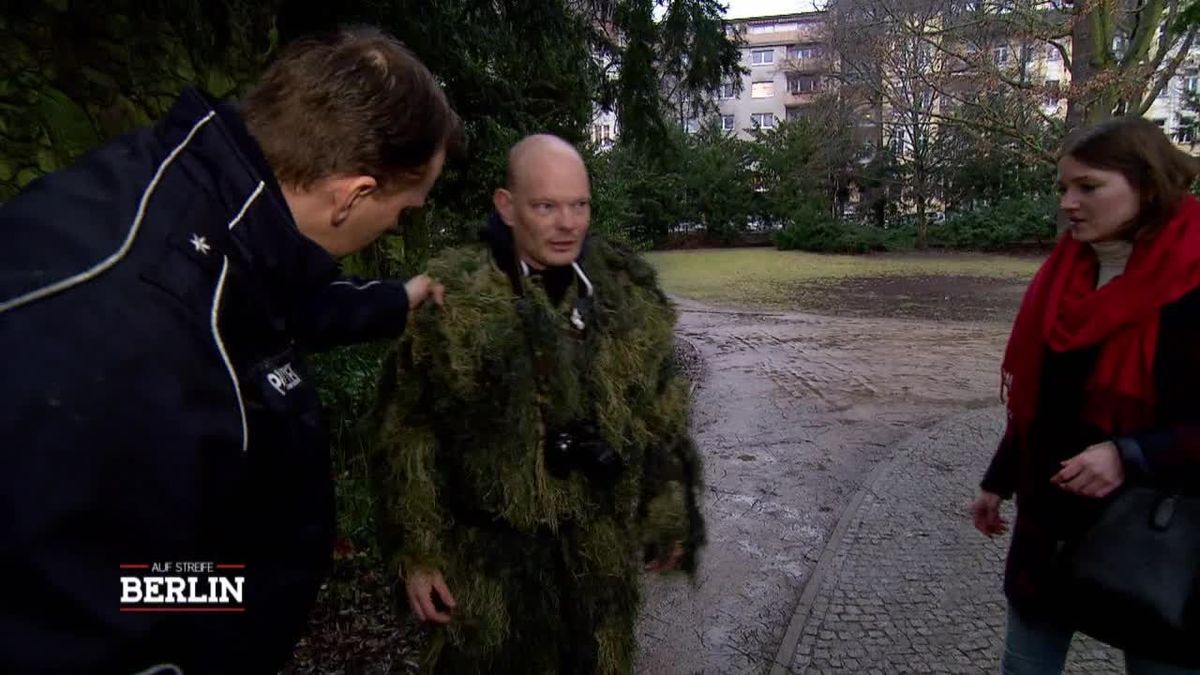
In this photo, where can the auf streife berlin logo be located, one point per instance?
(182, 587)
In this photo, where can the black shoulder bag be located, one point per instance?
(1131, 577)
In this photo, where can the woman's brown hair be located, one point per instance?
(1134, 146)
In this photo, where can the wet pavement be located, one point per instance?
(793, 415)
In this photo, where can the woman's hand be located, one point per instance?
(1095, 472)
(986, 512)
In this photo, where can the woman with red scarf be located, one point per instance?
(1101, 375)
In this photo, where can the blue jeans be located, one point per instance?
(1039, 647)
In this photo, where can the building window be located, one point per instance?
(762, 90)
(804, 85)
(727, 91)
(801, 53)
(1191, 83)
(1052, 54)
(1000, 55)
(692, 126)
(794, 114)
(762, 57)
(1053, 94)
(1185, 132)
(727, 122)
(763, 120)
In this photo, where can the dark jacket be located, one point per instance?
(1168, 452)
(156, 300)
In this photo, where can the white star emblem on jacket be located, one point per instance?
(200, 244)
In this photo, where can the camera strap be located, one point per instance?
(581, 309)
(580, 318)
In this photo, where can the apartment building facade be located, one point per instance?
(1172, 109)
(790, 64)
(787, 62)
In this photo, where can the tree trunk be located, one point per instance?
(1082, 70)
(922, 223)
(880, 204)
(1092, 62)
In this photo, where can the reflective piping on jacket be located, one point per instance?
(216, 332)
(353, 285)
(107, 263)
(161, 669)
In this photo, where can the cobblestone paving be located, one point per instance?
(913, 587)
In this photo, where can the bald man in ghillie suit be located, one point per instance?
(533, 454)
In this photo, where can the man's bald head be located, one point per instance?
(537, 153)
(546, 200)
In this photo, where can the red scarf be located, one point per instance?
(1063, 310)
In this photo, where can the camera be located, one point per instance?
(578, 446)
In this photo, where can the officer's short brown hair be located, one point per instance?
(353, 103)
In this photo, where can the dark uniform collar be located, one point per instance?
(266, 240)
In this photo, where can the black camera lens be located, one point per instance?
(558, 451)
(580, 447)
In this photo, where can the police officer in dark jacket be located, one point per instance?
(156, 302)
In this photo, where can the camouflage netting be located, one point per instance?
(544, 569)
(74, 74)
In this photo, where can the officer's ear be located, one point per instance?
(502, 199)
(347, 192)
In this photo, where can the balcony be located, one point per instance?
(800, 98)
(813, 64)
(804, 89)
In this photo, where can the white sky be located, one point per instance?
(743, 8)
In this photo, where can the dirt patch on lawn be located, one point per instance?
(933, 297)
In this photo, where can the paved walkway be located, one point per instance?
(906, 584)
(793, 413)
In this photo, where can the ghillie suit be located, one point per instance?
(541, 544)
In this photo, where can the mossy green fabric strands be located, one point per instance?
(544, 564)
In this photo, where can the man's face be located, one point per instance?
(379, 210)
(548, 209)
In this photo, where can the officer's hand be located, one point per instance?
(422, 287)
(669, 562)
(426, 589)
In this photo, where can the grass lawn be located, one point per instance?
(768, 278)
